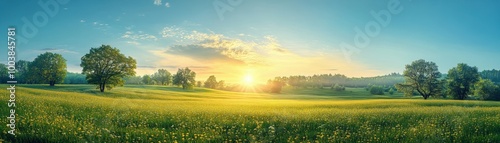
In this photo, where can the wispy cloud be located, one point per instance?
(138, 36)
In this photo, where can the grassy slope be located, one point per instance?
(79, 113)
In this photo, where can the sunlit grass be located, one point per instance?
(79, 113)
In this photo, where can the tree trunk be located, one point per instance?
(52, 83)
(102, 85)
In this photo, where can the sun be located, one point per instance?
(248, 79)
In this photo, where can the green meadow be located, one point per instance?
(137, 113)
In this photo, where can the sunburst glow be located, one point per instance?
(248, 79)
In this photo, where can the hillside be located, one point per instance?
(79, 113)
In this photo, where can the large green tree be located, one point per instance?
(421, 76)
(185, 78)
(461, 79)
(48, 68)
(106, 67)
(162, 76)
(485, 89)
(211, 82)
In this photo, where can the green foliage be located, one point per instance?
(146, 79)
(461, 79)
(4, 72)
(391, 91)
(23, 74)
(493, 75)
(198, 84)
(162, 77)
(338, 87)
(422, 76)
(74, 78)
(48, 68)
(106, 67)
(376, 90)
(185, 78)
(211, 82)
(485, 89)
(326, 80)
(133, 80)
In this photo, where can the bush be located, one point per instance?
(377, 90)
(391, 91)
(338, 87)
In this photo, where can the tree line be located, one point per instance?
(103, 66)
(419, 78)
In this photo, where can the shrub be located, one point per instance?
(377, 90)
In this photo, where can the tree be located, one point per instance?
(133, 80)
(274, 86)
(146, 79)
(74, 78)
(211, 82)
(185, 78)
(162, 76)
(338, 87)
(221, 84)
(391, 91)
(485, 89)
(423, 77)
(49, 68)
(4, 72)
(106, 66)
(198, 84)
(377, 90)
(461, 79)
(22, 72)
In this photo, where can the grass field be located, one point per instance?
(79, 113)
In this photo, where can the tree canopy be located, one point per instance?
(185, 78)
(106, 66)
(211, 82)
(461, 79)
(48, 68)
(422, 76)
(162, 77)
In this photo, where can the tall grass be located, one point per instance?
(78, 113)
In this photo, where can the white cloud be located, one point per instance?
(157, 2)
(167, 4)
(82, 20)
(135, 37)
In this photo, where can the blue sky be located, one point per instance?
(261, 38)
